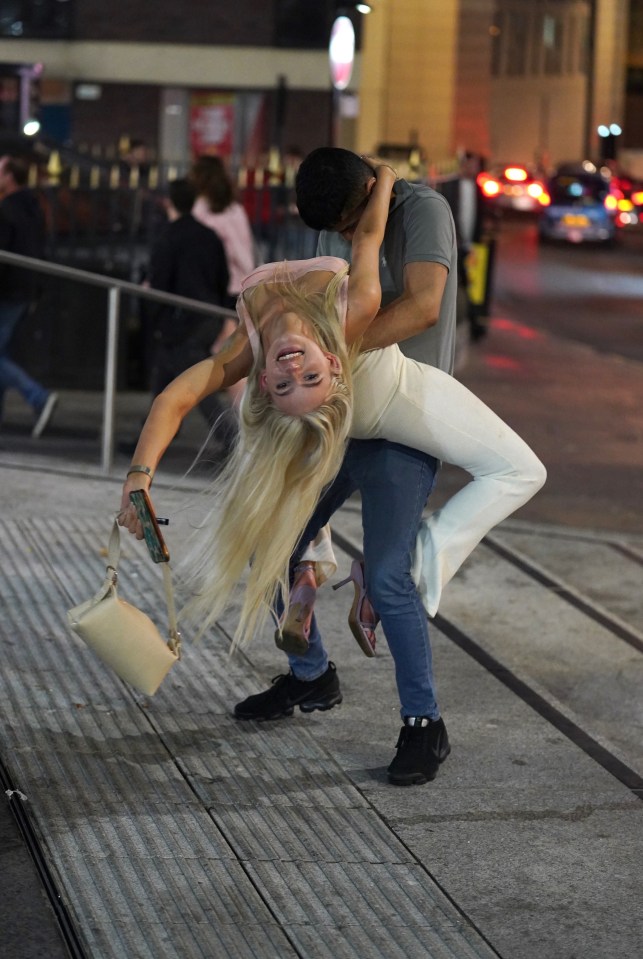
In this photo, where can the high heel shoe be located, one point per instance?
(294, 629)
(362, 618)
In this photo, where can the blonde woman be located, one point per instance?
(308, 390)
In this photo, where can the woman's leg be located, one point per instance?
(435, 413)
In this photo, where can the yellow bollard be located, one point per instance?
(274, 165)
(54, 167)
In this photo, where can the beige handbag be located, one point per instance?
(123, 636)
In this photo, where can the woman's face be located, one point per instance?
(298, 373)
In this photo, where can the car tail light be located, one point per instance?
(516, 174)
(637, 197)
(488, 185)
(535, 189)
(544, 198)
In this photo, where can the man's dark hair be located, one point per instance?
(19, 170)
(330, 182)
(182, 195)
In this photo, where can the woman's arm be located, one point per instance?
(172, 405)
(364, 289)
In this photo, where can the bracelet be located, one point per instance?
(136, 468)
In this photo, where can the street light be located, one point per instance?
(608, 135)
(360, 7)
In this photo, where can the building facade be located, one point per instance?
(515, 80)
(520, 80)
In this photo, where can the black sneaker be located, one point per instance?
(422, 745)
(287, 692)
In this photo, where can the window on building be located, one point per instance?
(497, 43)
(583, 47)
(37, 19)
(539, 37)
(552, 41)
(518, 23)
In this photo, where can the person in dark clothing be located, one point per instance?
(189, 260)
(22, 231)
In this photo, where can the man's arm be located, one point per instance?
(416, 310)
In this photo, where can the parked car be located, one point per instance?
(582, 208)
(513, 186)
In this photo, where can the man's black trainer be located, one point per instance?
(287, 691)
(422, 745)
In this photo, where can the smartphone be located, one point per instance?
(155, 542)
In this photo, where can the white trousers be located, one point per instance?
(430, 411)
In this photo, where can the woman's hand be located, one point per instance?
(385, 171)
(127, 516)
(380, 167)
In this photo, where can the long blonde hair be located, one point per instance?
(270, 486)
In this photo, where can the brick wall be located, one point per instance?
(123, 110)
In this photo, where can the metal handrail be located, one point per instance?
(115, 290)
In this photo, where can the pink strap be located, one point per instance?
(293, 269)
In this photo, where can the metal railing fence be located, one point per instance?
(115, 289)
(117, 224)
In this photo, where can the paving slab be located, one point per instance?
(112, 789)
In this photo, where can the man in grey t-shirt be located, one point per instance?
(418, 270)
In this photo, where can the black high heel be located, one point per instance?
(362, 618)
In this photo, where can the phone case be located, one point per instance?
(153, 538)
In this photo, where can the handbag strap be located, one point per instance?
(113, 557)
(174, 642)
(114, 547)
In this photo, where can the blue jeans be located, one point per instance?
(13, 376)
(395, 482)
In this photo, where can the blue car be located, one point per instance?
(581, 209)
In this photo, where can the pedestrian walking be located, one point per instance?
(22, 231)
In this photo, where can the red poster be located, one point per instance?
(211, 123)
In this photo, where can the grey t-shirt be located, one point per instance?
(419, 228)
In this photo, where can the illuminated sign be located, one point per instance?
(341, 52)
